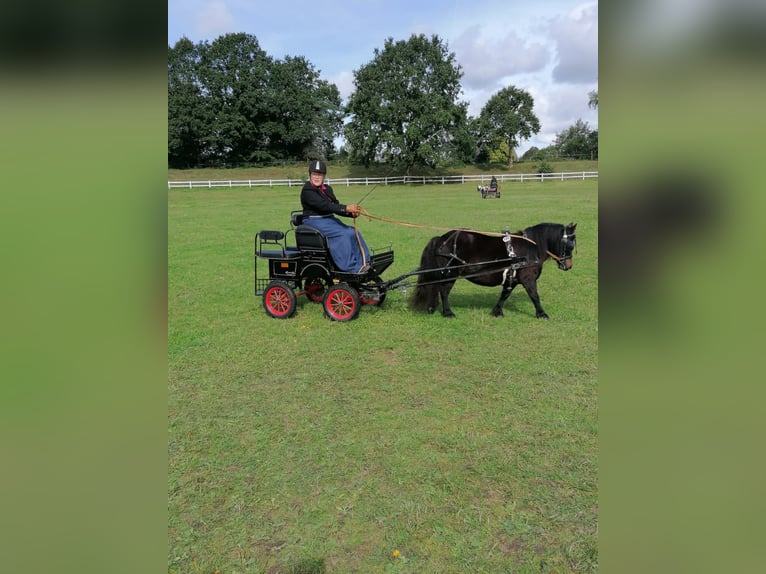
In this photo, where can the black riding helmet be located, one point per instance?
(317, 166)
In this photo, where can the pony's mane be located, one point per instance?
(544, 234)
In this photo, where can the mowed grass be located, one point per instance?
(307, 445)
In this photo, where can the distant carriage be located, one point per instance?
(491, 190)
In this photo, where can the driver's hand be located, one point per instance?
(353, 209)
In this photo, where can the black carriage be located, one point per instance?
(299, 263)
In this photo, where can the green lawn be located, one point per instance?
(307, 445)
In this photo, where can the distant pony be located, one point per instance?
(489, 260)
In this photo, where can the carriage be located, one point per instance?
(491, 190)
(299, 263)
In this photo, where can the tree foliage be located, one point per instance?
(593, 99)
(508, 118)
(405, 108)
(577, 141)
(230, 103)
(187, 114)
(234, 71)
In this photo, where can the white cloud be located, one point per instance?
(486, 60)
(214, 19)
(558, 107)
(345, 83)
(576, 38)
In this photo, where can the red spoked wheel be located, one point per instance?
(341, 302)
(316, 287)
(279, 300)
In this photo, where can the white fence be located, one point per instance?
(402, 179)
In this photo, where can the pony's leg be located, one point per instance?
(531, 288)
(508, 286)
(444, 289)
(433, 299)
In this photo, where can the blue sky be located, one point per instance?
(546, 47)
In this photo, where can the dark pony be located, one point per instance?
(488, 260)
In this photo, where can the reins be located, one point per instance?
(406, 224)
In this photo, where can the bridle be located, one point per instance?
(567, 246)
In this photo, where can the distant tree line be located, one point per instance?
(230, 103)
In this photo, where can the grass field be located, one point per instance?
(397, 442)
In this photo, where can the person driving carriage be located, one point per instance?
(493, 183)
(320, 207)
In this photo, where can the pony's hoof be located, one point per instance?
(449, 315)
(497, 314)
(543, 316)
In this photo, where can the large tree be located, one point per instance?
(507, 117)
(187, 118)
(230, 103)
(405, 108)
(234, 71)
(304, 112)
(577, 141)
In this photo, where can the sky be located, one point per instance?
(547, 47)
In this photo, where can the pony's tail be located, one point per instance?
(424, 290)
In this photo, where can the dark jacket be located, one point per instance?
(320, 201)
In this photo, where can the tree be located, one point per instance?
(405, 107)
(186, 107)
(508, 117)
(304, 112)
(593, 99)
(234, 71)
(536, 154)
(578, 141)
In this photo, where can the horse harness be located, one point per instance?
(453, 256)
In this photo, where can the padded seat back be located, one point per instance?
(309, 238)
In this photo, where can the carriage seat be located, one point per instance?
(274, 239)
(306, 237)
(309, 238)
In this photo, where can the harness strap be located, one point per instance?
(453, 256)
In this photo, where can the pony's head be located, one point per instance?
(567, 246)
